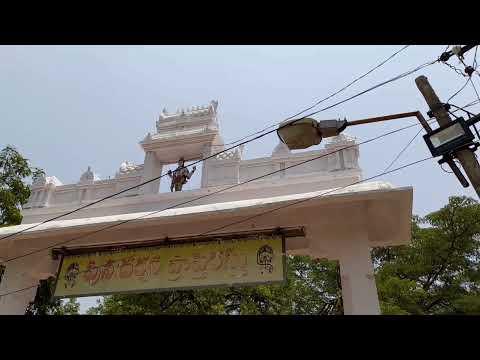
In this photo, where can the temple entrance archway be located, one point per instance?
(311, 190)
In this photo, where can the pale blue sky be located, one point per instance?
(67, 107)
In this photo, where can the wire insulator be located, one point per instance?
(469, 70)
(444, 57)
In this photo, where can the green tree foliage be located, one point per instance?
(14, 193)
(312, 287)
(44, 304)
(438, 273)
(68, 307)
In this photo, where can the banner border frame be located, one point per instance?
(298, 231)
(283, 281)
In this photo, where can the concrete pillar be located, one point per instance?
(16, 303)
(207, 151)
(43, 199)
(38, 200)
(20, 274)
(50, 190)
(237, 171)
(151, 168)
(349, 244)
(42, 196)
(204, 179)
(359, 291)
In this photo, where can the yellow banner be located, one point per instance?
(226, 263)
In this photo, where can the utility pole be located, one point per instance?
(465, 156)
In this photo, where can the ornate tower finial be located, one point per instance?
(88, 176)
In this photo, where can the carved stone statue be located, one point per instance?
(180, 175)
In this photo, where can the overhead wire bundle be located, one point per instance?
(398, 77)
(243, 220)
(230, 187)
(325, 98)
(241, 143)
(467, 73)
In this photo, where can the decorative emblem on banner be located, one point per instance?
(265, 257)
(72, 274)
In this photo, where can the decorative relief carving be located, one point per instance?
(40, 180)
(128, 168)
(340, 140)
(234, 154)
(167, 119)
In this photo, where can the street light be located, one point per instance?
(306, 132)
(444, 141)
(301, 134)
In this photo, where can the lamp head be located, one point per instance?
(301, 134)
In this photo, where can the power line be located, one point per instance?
(475, 102)
(283, 206)
(403, 150)
(463, 87)
(210, 194)
(469, 70)
(467, 74)
(317, 196)
(329, 96)
(384, 172)
(19, 290)
(475, 59)
(457, 70)
(127, 189)
(474, 88)
(398, 77)
(220, 152)
(463, 109)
